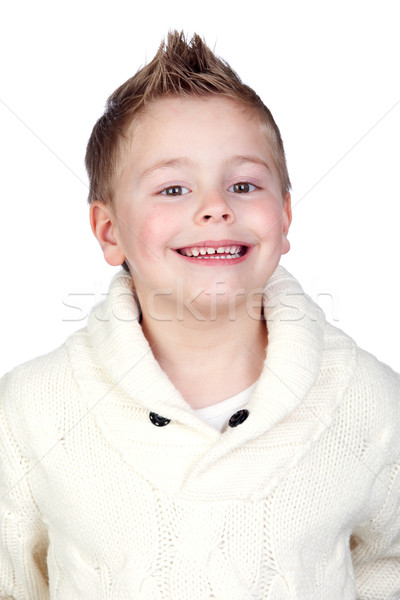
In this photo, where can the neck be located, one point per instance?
(209, 360)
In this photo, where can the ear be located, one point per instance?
(102, 221)
(286, 221)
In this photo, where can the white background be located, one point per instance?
(329, 72)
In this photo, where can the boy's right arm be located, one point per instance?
(23, 537)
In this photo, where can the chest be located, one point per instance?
(253, 524)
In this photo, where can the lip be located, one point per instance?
(215, 262)
(214, 244)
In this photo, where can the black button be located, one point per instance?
(239, 417)
(157, 420)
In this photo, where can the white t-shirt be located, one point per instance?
(219, 414)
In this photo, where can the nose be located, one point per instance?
(214, 208)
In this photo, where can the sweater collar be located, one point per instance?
(295, 337)
(296, 327)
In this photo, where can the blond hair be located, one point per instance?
(180, 68)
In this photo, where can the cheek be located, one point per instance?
(268, 219)
(163, 222)
(150, 231)
(158, 227)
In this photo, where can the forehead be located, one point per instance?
(215, 125)
(189, 110)
(207, 103)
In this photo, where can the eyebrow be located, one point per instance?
(249, 158)
(164, 164)
(238, 160)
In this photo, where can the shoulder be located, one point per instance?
(370, 405)
(39, 376)
(375, 388)
(374, 375)
(370, 378)
(33, 398)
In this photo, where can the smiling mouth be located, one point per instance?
(228, 252)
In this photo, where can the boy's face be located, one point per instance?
(198, 209)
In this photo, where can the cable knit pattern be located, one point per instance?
(300, 501)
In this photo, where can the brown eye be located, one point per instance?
(175, 190)
(243, 187)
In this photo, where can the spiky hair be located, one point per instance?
(180, 68)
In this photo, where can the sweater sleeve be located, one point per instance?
(376, 547)
(23, 537)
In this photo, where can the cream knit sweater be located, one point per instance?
(299, 501)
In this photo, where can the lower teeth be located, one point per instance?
(228, 256)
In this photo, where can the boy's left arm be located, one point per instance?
(376, 546)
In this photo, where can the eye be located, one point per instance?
(175, 190)
(243, 187)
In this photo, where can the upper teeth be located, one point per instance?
(195, 251)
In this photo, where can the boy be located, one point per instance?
(208, 434)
